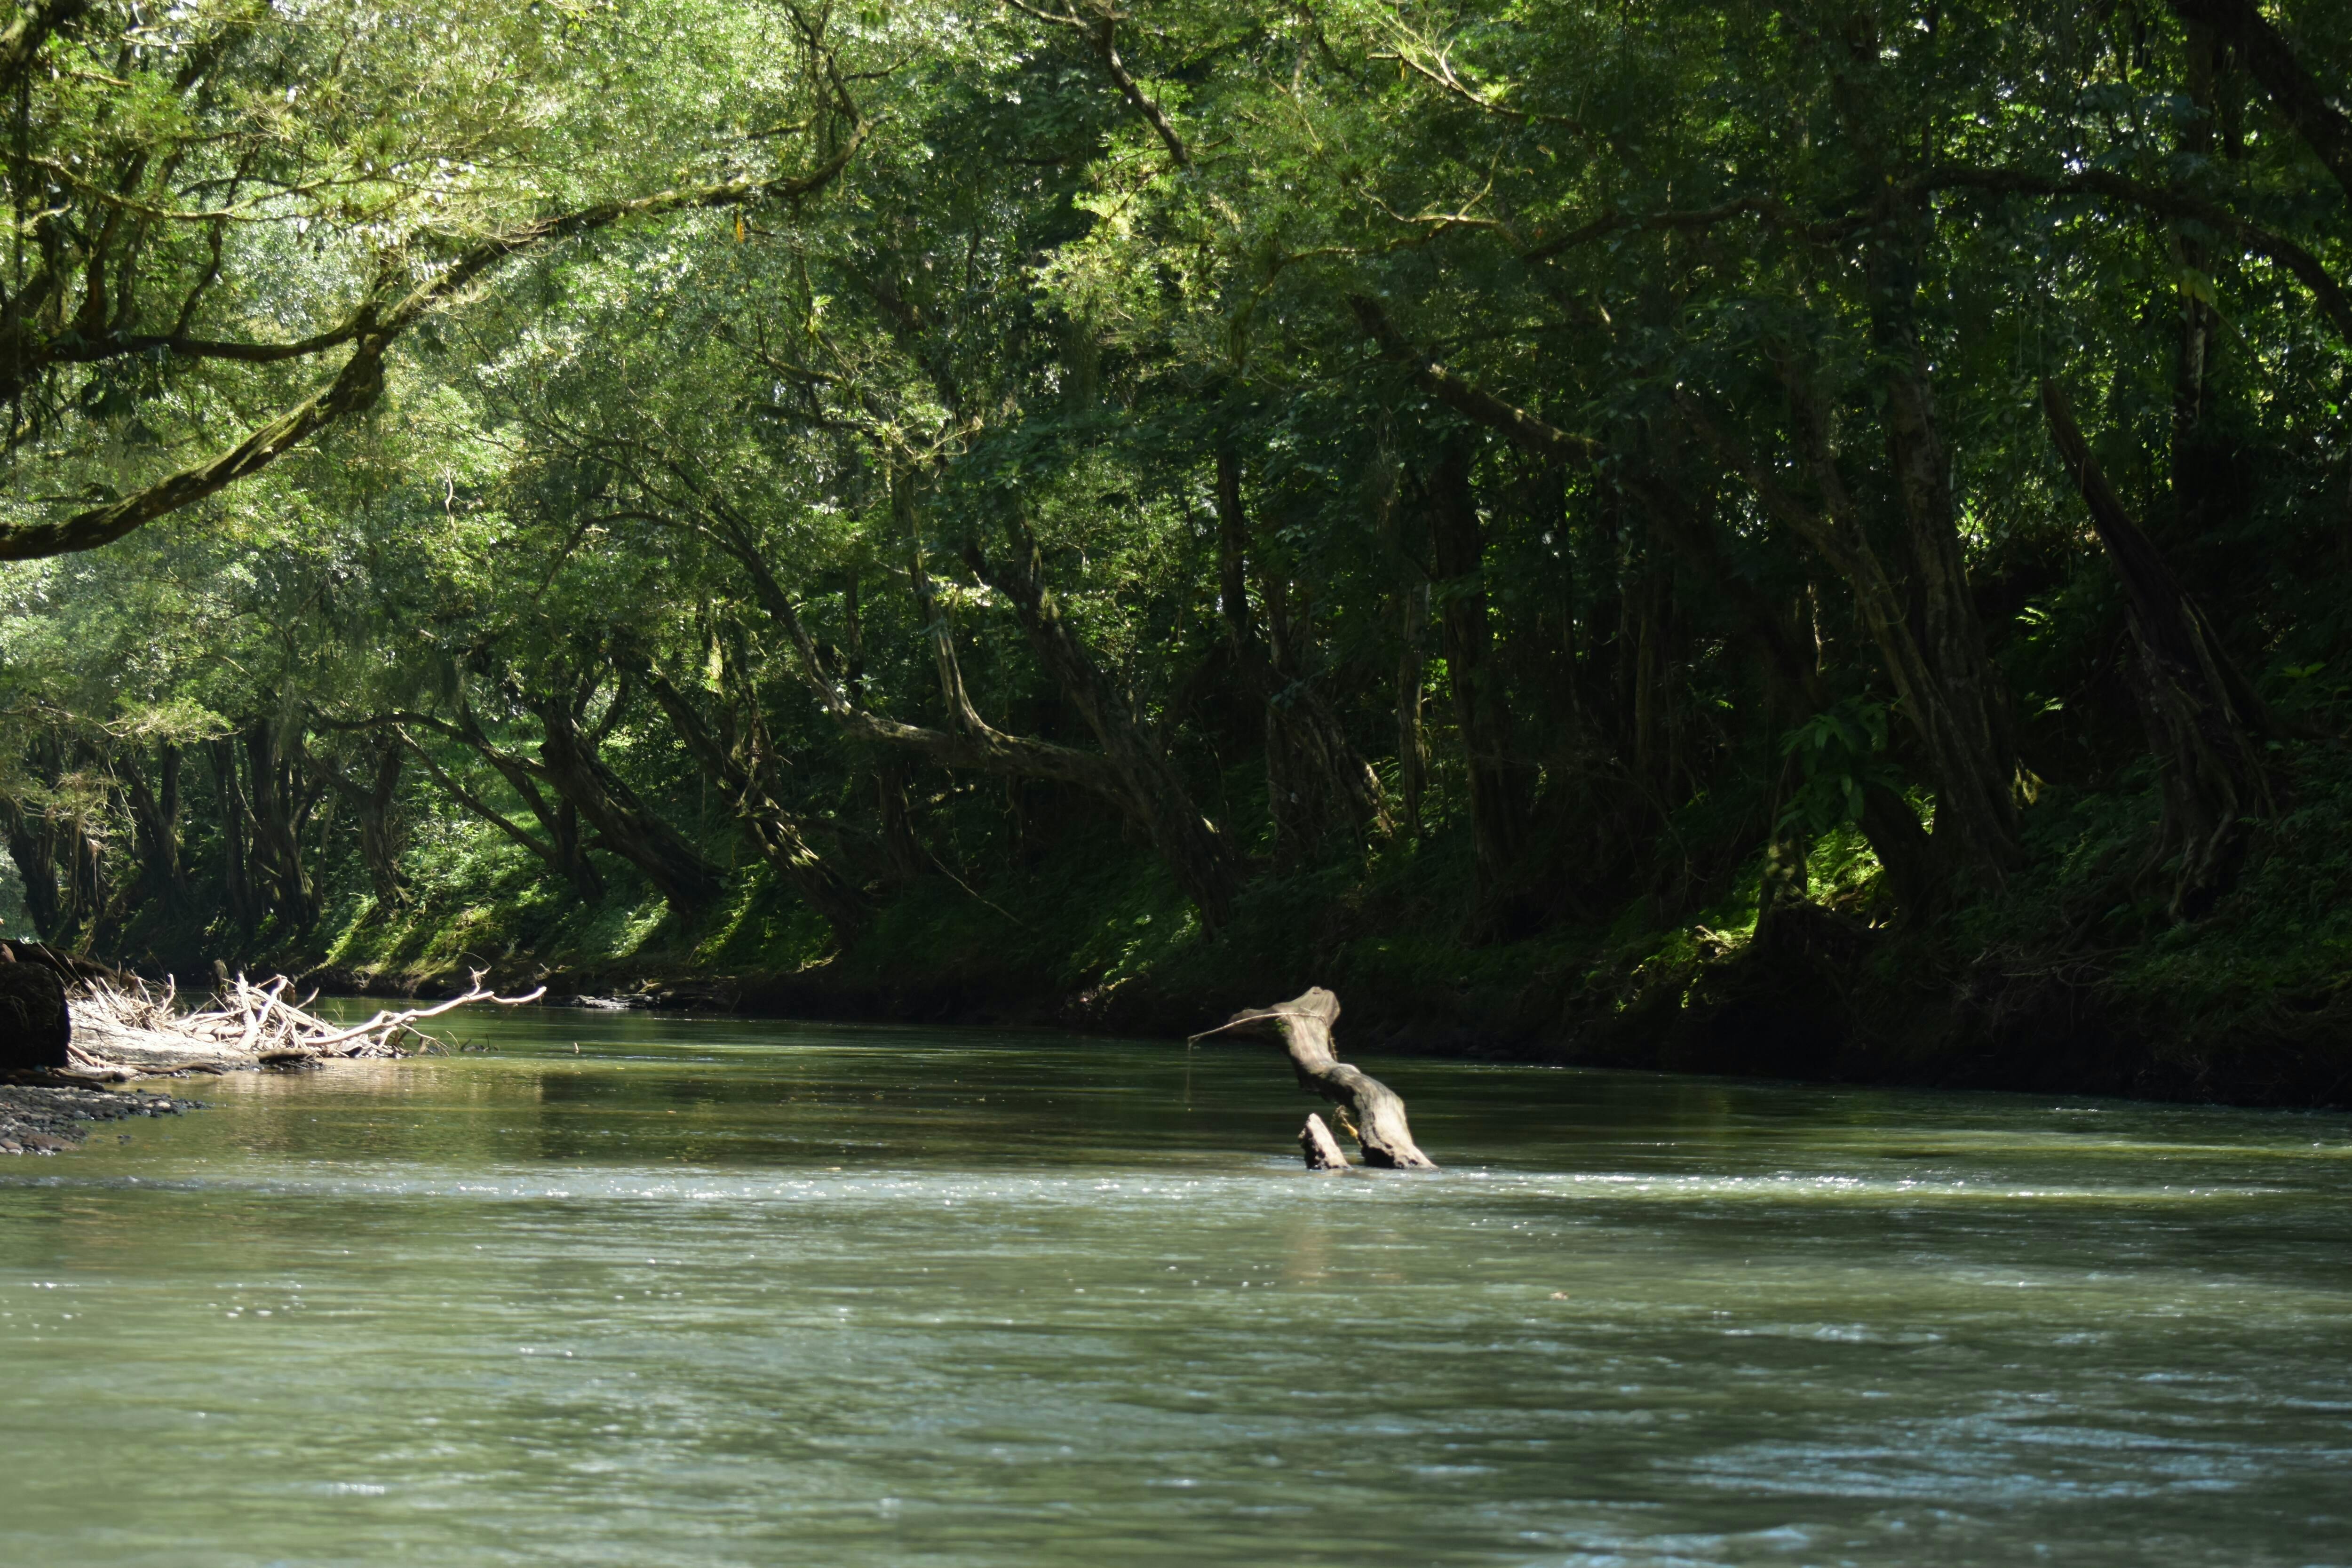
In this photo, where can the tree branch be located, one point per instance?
(1097, 32)
(27, 34)
(2253, 236)
(2324, 128)
(475, 803)
(1467, 397)
(378, 323)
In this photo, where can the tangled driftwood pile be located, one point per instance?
(124, 1029)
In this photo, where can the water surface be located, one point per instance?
(645, 1291)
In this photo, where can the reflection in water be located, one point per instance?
(718, 1292)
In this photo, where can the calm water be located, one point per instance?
(718, 1292)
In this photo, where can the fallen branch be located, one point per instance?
(1304, 1024)
(259, 1015)
(386, 1026)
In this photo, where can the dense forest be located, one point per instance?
(1802, 538)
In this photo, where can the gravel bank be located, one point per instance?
(36, 1119)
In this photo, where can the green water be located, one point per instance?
(719, 1293)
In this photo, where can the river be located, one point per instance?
(645, 1290)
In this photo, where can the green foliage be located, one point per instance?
(1613, 432)
(1838, 752)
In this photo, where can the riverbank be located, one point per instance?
(2247, 1006)
(49, 1119)
(1731, 1010)
(2070, 978)
(124, 1033)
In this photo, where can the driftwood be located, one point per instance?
(1322, 1151)
(1303, 1024)
(126, 1028)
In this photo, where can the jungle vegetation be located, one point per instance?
(1823, 523)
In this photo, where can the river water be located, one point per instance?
(639, 1290)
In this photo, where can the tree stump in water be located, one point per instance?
(33, 1022)
(1304, 1024)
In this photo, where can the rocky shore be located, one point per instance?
(44, 1119)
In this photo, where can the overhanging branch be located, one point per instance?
(376, 325)
(1467, 397)
(2100, 183)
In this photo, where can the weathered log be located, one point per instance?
(1304, 1024)
(1322, 1151)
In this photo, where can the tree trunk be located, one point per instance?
(2271, 61)
(85, 878)
(1971, 780)
(1319, 788)
(154, 809)
(276, 812)
(1965, 707)
(1322, 1151)
(1649, 613)
(979, 748)
(901, 849)
(1195, 851)
(624, 824)
(31, 846)
(741, 769)
(375, 805)
(380, 826)
(566, 848)
(1793, 692)
(1790, 678)
(1977, 796)
(1481, 708)
(62, 865)
(236, 883)
(1303, 1026)
(1916, 866)
(560, 850)
(1909, 856)
(962, 718)
(2206, 487)
(2206, 724)
(1412, 744)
